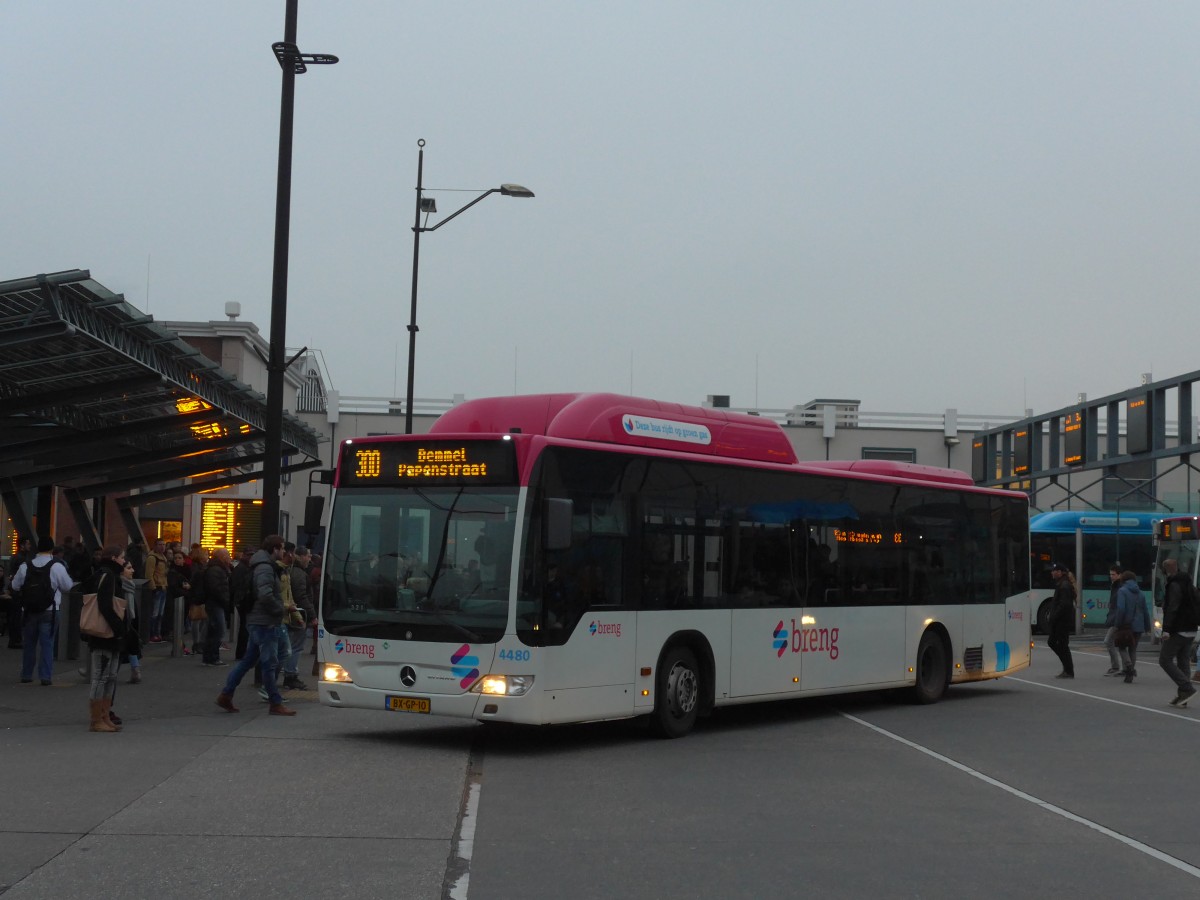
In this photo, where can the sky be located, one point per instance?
(986, 206)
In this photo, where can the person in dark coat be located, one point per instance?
(1062, 618)
(1180, 623)
(216, 604)
(105, 583)
(1115, 666)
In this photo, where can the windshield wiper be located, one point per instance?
(441, 617)
(389, 625)
(356, 629)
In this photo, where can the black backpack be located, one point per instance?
(196, 595)
(248, 595)
(37, 592)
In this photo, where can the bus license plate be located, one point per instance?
(408, 704)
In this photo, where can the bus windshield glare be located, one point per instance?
(425, 564)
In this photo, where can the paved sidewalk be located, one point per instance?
(144, 812)
(171, 688)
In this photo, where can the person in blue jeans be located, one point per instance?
(40, 628)
(262, 627)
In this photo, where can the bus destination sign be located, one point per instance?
(415, 463)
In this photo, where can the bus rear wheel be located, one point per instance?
(1043, 618)
(932, 670)
(677, 694)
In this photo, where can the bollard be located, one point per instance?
(177, 631)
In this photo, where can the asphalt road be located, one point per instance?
(1029, 786)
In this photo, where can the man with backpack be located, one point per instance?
(42, 582)
(1180, 620)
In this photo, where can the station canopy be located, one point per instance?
(97, 398)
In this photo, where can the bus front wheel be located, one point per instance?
(932, 670)
(677, 699)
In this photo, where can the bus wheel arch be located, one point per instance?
(683, 684)
(933, 665)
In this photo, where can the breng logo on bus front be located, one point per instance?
(464, 666)
(367, 650)
(804, 639)
(604, 628)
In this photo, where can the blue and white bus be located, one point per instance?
(1108, 537)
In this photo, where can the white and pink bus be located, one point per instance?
(579, 557)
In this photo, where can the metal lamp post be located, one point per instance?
(427, 205)
(293, 63)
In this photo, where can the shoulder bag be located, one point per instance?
(91, 621)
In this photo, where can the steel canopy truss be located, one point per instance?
(96, 396)
(1139, 414)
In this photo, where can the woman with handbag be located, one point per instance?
(102, 623)
(1131, 623)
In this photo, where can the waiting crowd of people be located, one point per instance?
(1128, 620)
(274, 590)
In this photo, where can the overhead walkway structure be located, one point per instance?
(99, 400)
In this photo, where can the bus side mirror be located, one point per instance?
(559, 512)
(313, 507)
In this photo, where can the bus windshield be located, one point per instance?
(1184, 552)
(421, 564)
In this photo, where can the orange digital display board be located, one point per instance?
(1073, 447)
(415, 463)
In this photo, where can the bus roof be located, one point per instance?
(1092, 522)
(672, 427)
(630, 421)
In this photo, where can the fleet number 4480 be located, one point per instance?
(515, 655)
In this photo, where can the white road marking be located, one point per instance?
(1029, 798)
(1149, 709)
(465, 842)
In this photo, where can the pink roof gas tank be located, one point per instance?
(630, 421)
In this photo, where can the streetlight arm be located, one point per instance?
(459, 211)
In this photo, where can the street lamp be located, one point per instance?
(427, 205)
(293, 63)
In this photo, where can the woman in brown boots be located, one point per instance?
(105, 583)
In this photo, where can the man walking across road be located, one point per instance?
(1180, 620)
(262, 626)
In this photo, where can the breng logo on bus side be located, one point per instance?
(464, 666)
(781, 639)
(367, 650)
(601, 628)
(804, 639)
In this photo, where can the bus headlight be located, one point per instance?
(504, 685)
(334, 672)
